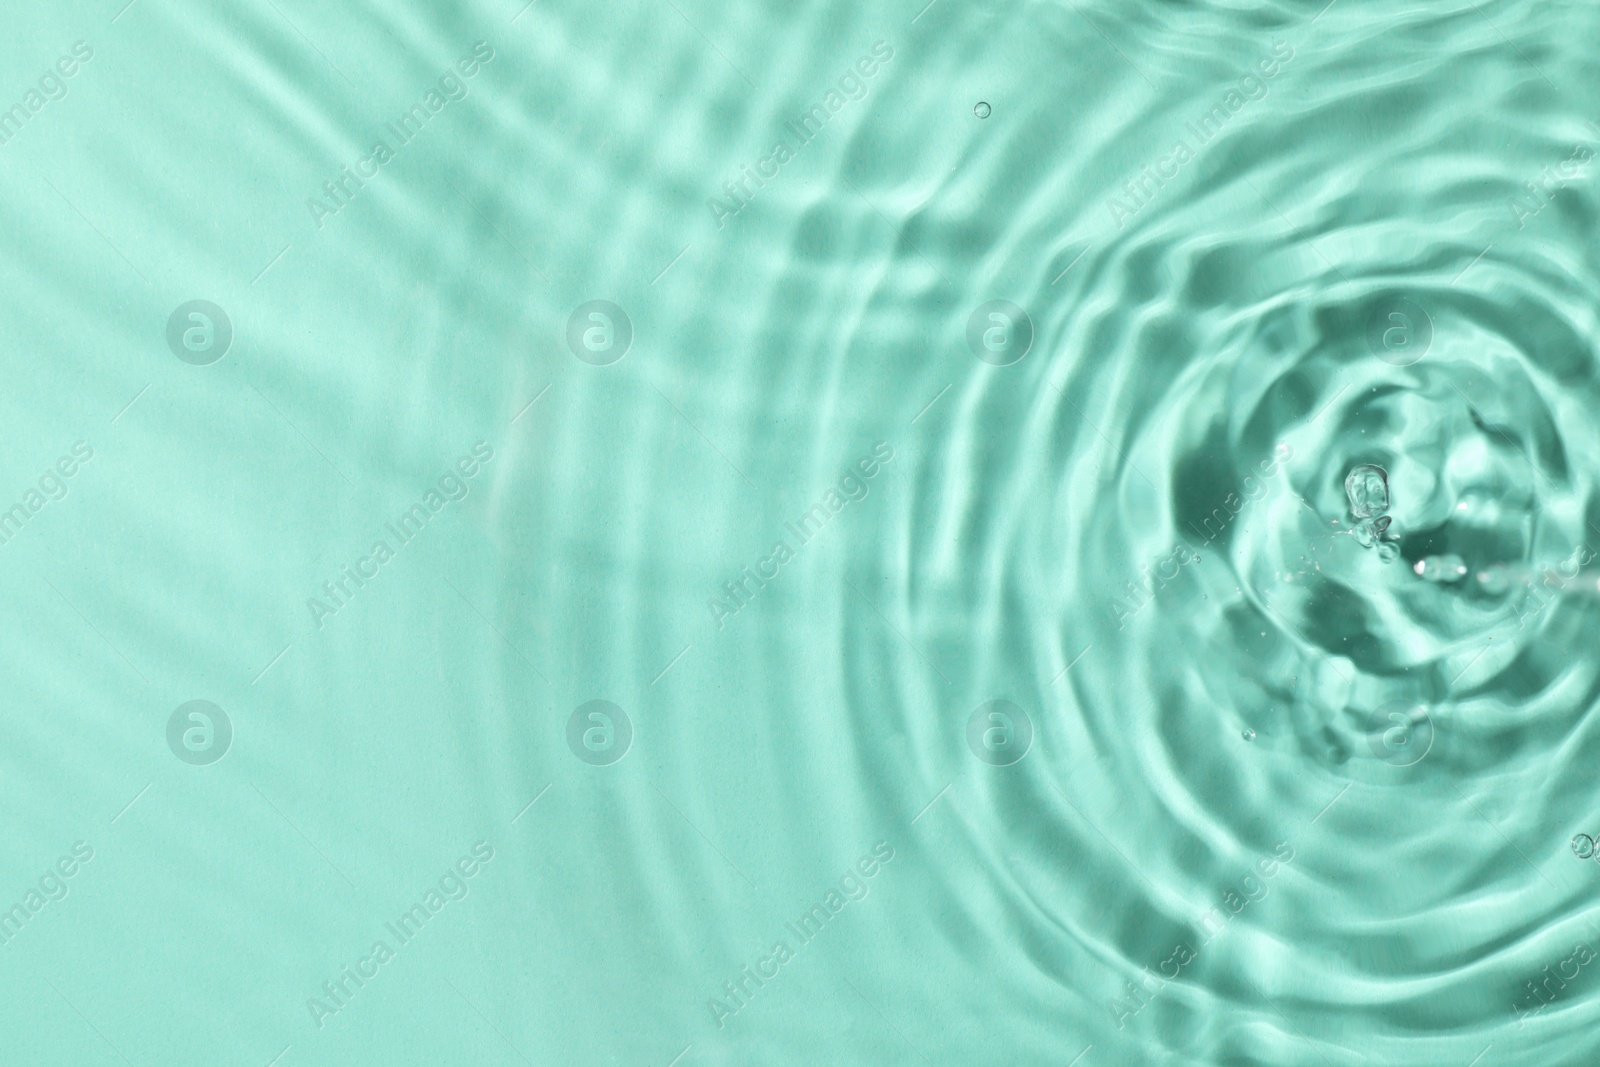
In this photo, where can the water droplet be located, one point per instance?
(1367, 488)
(982, 110)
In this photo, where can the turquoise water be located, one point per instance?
(685, 534)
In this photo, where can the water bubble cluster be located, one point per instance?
(1446, 568)
(1366, 488)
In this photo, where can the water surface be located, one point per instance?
(691, 534)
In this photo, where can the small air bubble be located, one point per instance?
(982, 110)
(1494, 579)
(1249, 735)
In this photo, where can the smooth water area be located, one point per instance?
(694, 534)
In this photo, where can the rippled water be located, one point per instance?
(689, 534)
